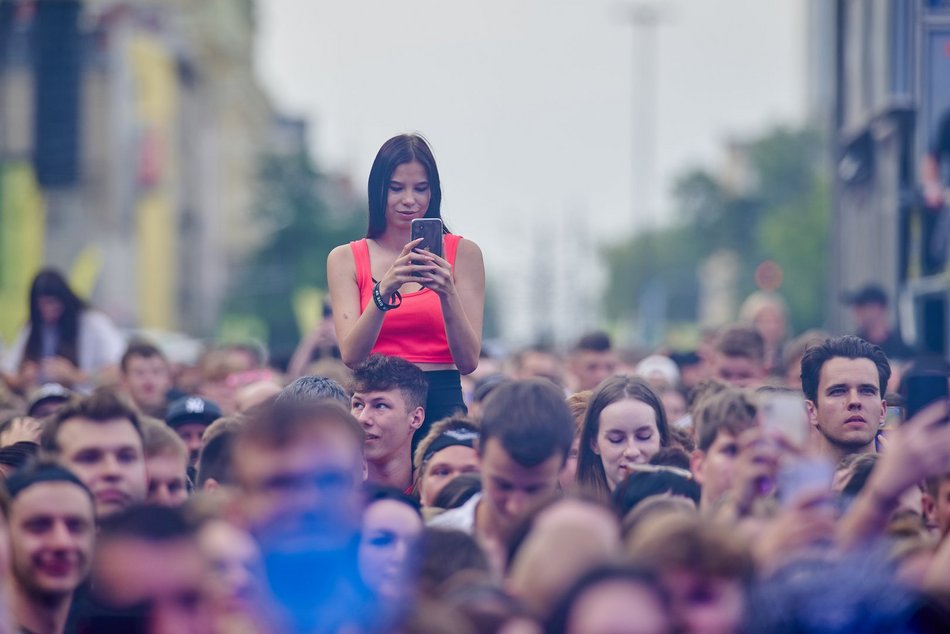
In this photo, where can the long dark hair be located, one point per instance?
(51, 283)
(590, 466)
(404, 148)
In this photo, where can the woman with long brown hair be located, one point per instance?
(625, 425)
(66, 341)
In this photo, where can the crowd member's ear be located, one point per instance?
(812, 409)
(232, 511)
(418, 416)
(696, 462)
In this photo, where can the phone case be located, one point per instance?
(430, 229)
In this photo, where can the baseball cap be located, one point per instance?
(192, 409)
(47, 392)
(657, 365)
(868, 294)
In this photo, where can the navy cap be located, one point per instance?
(192, 409)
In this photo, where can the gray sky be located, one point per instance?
(528, 103)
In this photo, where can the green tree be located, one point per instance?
(778, 211)
(304, 227)
(796, 238)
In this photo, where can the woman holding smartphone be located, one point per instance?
(391, 298)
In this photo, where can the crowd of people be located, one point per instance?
(396, 478)
(590, 492)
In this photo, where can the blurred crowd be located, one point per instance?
(758, 483)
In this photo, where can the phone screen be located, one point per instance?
(802, 478)
(786, 413)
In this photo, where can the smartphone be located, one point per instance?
(430, 230)
(803, 478)
(921, 390)
(786, 413)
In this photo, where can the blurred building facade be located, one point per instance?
(892, 83)
(129, 142)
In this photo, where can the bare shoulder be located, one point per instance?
(469, 265)
(469, 252)
(341, 258)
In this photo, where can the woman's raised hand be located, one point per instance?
(436, 272)
(401, 271)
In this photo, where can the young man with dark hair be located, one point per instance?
(148, 565)
(51, 520)
(739, 357)
(99, 438)
(592, 361)
(719, 419)
(844, 380)
(147, 378)
(526, 433)
(389, 396)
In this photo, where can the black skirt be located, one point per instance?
(444, 399)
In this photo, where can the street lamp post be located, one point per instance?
(645, 18)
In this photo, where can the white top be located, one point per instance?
(458, 519)
(101, 344)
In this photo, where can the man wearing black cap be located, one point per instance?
(869, 308)
(189, 417)
(52, 530)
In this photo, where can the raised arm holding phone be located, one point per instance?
(393, 296)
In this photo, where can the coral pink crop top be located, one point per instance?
(416, 330)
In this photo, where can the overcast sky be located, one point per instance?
(529, 103)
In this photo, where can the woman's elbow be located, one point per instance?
(350, 358)
(467, 365)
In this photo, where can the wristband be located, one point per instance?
(395, 298)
